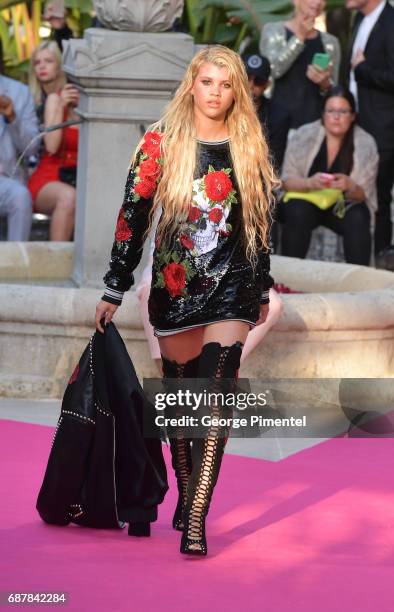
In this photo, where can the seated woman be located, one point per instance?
(332, 153)
(52, 185)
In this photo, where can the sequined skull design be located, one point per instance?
(213, 195)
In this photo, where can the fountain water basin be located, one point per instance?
(341, 326)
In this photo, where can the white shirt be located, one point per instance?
(360, 42)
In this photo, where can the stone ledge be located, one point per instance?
(326, 277)
(313, 311)
(336, 334)
(36, 260)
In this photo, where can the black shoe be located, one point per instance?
(219, 364)
(385, 259)
(139, 529)
(194, 546)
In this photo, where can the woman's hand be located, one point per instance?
(316, 182)
(7, 108)
(319, 76)
(104, 310)
(352, 191)
(343, 182)
(264, 309)
(69, 96)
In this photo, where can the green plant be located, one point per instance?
(14, 13)
(229, 22)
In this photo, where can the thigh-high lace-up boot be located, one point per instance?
(219, 364)
(179, 445)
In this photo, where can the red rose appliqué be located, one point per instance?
(186, 241)
(122, 232)
(194, 213)
(145, 188)
(151, 145)
(150, 169)
(215, 215)
(74, 375)
(175, 278)
(217, 185)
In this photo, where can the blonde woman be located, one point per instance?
(52, 185)
(206, 163)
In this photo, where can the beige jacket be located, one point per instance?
(304, 144)
(282, 52)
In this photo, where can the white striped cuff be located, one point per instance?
(113, 295)
(265, 297)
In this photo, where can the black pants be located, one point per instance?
(384, 183)
(300, 218)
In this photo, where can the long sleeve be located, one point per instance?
(333, 48)
(293, 161)
(376, 77)
(25, 125)
(131, 226)
(280, 52)
(268, 281)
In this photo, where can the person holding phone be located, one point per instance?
(336, 154)
(52, 185)
(304, 61)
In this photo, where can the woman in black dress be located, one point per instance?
(206, 163)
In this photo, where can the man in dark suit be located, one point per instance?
(371, 79)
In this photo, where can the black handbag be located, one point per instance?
(68, 174)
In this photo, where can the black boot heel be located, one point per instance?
(177, 521)
(139, 529)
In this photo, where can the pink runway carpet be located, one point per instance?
(313, 532)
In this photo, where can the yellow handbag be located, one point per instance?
(322, 198)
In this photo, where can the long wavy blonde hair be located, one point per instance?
(34, 83)
(249, 152)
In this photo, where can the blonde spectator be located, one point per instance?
(52, 185)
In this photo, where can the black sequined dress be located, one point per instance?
(204, 277)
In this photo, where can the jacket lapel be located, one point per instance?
(375, 30)
(356, 24)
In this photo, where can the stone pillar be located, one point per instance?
(125, 79)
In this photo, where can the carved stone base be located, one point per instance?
(125, 79)
(138, 15)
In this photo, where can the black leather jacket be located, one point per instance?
(101, 471)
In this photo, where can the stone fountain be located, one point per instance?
(342, 325)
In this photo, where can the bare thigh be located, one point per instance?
(188, 344)
(183, 346)
(226, 332)
(50, 194)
